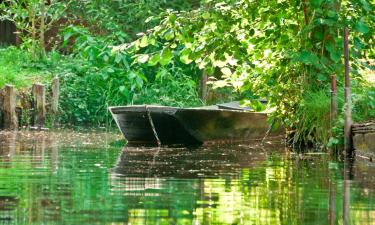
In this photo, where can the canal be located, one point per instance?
(91, 178)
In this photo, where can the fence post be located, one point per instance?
(39, 97)
(9, 108)
(55, 95)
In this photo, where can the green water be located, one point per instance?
(54, 179)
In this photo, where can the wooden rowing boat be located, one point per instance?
(161, 125)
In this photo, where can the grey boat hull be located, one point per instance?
(145, 125)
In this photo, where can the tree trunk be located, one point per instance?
(33, 32)
(203, 87)
(42, 29)
(348, 104)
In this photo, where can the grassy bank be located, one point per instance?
(17, 68)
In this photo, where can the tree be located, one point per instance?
(284, 51)
(32, 19)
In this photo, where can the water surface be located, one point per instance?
(75, 178)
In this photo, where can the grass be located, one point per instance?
(18, 69)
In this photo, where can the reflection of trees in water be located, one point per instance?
(276, 191)
(40, 183)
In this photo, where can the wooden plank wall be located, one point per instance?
(7, 35)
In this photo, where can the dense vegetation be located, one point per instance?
(284, 51)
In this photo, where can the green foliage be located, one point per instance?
(363, 99)
(282, 51)
(312, 119)
(96, 77)
(175, 89)
(125, 16)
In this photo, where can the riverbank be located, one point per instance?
(89, 86)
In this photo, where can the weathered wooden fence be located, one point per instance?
(364, 139)
(28, 109)
(7, 33)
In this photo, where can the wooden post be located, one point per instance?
(348, 104)
(332, 199)
(55, 95)
(9, 108)
(203, 87)
(39, 97)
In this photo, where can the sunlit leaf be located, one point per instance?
(226, 71)
(220, 84)
(154, 60)
(143, 42)
(185, 56)
(143, 58)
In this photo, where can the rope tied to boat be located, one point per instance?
(152, 126)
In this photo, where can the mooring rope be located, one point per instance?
(152, 126)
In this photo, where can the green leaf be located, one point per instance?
(226, 71)
(143, 58)
(206, 15)
(332, 142)
(172, 18)
(365, 5)
(321, 77)
(185, 56)
(166, 56)
(67, 36)
(257, 105)
(151, 41)
(210, 70)
(332, 14)
(362, 27)
(132, 75)
(316, 3)
(144, 42)
(169, 35)
(335, 56)
(122, 89)
(220, 84)
(149, 19)
(307, 57)
(118, 58)
(154, 60)
(251, 32)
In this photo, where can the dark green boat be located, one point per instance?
(161, 125)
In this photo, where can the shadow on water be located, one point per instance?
(81, 179)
